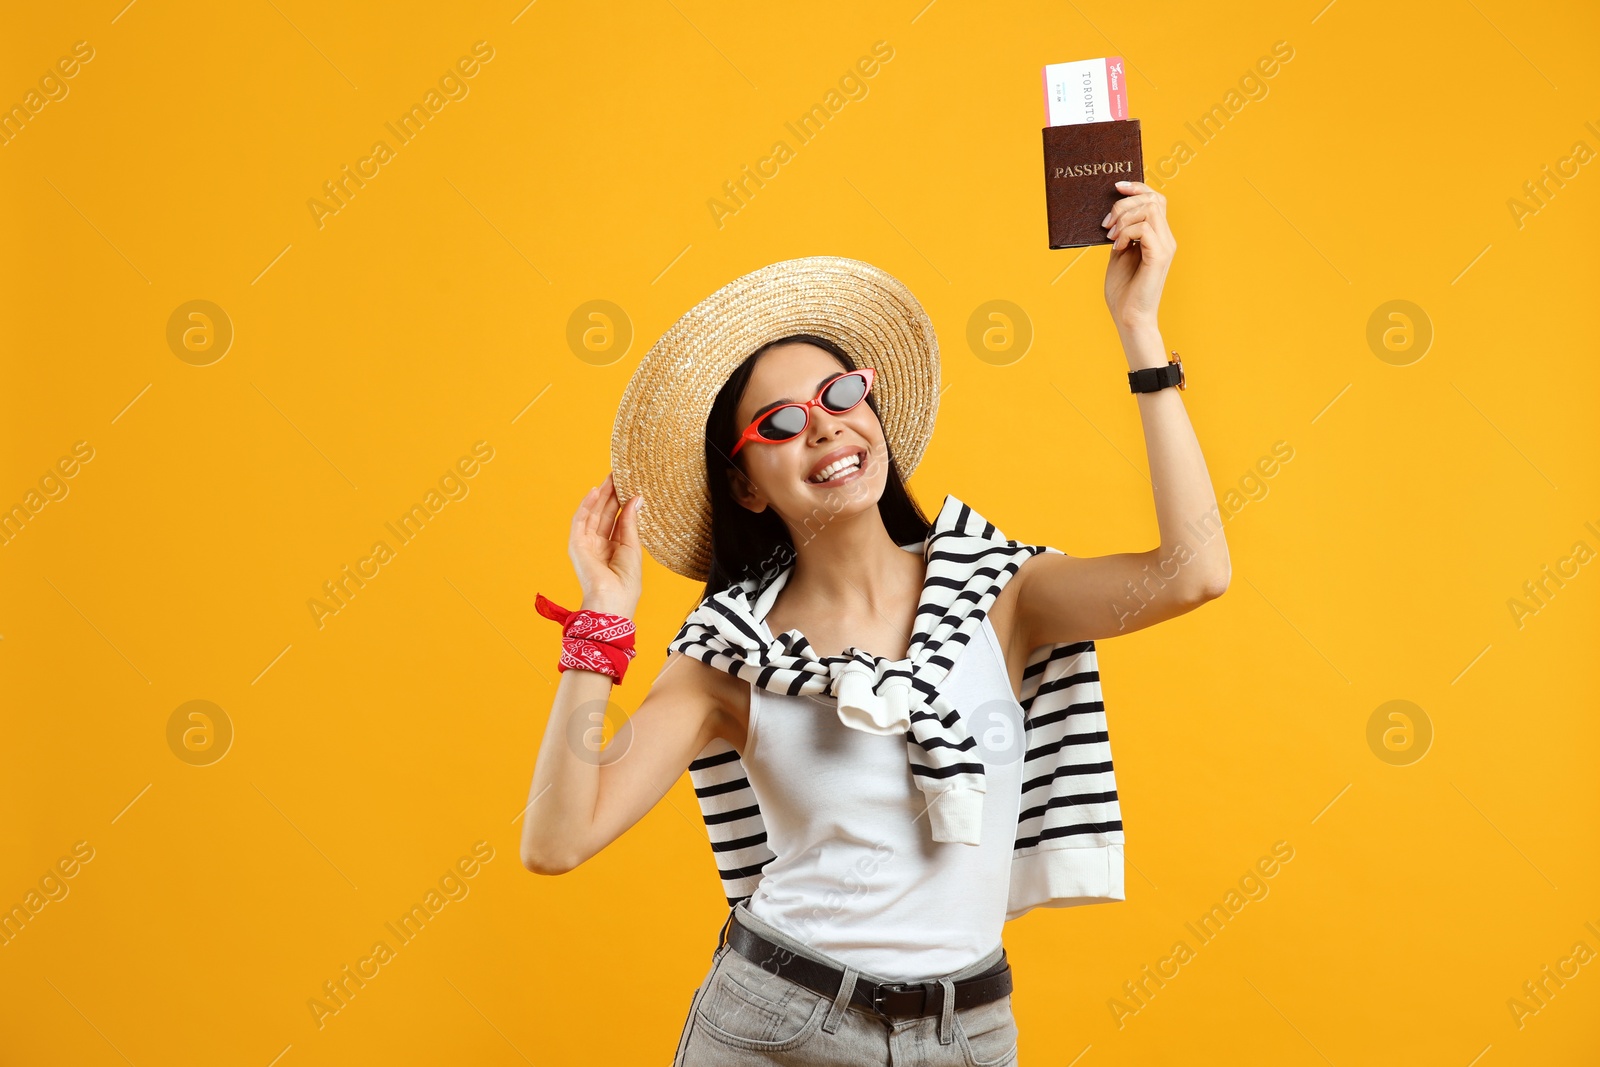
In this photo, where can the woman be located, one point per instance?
(875, 832)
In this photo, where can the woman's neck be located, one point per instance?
(853, 564)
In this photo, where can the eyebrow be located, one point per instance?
(779, 403)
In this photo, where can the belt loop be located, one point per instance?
(947, 1012)
(847, 988)
(722, 935)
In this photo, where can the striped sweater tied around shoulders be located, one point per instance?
(1068, 844)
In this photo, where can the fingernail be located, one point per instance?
(1124, 183)
(1106, 219)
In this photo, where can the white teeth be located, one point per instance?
(832, 469)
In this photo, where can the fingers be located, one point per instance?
(1152, 235)
(1142, 205)
(1128, 234)
(591, 510)
(1129, 188)
(581, 519)
(1120, 222)
(599, 513)
(607, 506)
(1139, 202)
(1142, 202)
(1138, 217)
(1150, 226)
(628, 527)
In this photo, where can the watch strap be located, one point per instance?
(1151, 379)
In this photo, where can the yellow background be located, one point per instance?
(432, 310)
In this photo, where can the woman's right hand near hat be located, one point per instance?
(605, 552)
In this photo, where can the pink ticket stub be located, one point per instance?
(1089, 90)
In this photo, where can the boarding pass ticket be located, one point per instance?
(1089, 90)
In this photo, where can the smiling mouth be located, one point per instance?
(843, 470)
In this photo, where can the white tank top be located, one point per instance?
(855, 874)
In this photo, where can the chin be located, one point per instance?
(851, 498)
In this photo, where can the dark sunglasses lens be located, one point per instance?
(783, 424)
(844, 393)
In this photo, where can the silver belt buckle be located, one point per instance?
(903, 987)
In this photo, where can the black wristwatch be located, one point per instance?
(1151, 379)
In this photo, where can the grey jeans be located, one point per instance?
(745, 1014)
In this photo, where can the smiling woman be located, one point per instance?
(749, 526)
(876, 814)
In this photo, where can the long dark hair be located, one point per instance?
(746, 544)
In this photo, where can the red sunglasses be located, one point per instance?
(790, 421)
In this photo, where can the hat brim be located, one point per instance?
(657, 442)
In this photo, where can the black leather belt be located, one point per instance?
(881, 998)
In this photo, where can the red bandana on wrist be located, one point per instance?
(590, 640)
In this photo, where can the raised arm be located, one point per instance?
(1062, 599)
(583, 797)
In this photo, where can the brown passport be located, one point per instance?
(1082, 164)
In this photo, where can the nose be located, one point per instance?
(824, 424)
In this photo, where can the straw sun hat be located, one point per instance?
(657, 443)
